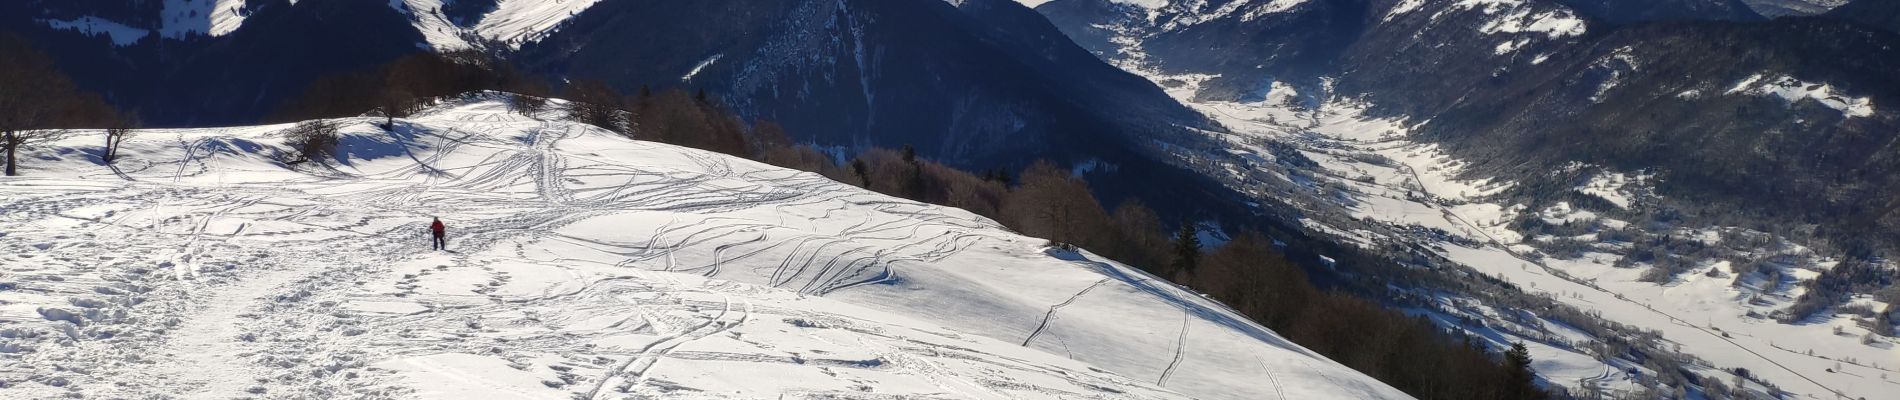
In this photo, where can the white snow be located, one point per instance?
(180, 18)
(1518, 16)
(582, 265)
(435, 27)
(519, 21)
(1270, 7)
(1794, 90)
(1510, 46)
(1620, 64)
(1551, 23)
(1616, 187)
(702, 65)
(1148, 4)
(512, 23)
(1176, 14)
(1402, 8)
(94, 26)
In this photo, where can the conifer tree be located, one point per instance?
(1883, 322)
(862, 171)
(1520, 382)
(914, 181)
(1187, 249)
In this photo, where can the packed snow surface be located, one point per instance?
(581, 265)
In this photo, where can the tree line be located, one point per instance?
(38, 103)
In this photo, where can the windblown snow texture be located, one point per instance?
(581, 265)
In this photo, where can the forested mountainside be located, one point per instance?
(1616, 173)
(980, 84)
(166, 62)
(1878, 14)
(1786, 111)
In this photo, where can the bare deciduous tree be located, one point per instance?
(1052, 203)
(122, 126)
(531, 96)
(595, 103)
(396, 103)
(312, 139)
(32, 95)
(13, 140)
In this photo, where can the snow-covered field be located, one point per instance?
(581, 265)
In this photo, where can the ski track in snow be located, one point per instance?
(1058, 307)
(1180, 346)
(199, 267)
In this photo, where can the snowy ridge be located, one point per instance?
(1517, 16)
(1794, 91)
(1177, 14)
(519, 21)
(583, 265)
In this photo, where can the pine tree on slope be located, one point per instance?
(1520, 380)
(1187, 249)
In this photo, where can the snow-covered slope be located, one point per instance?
(509, 22)
(581, 265)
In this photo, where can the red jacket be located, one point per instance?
(436, 228)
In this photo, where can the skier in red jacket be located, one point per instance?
(436, 229)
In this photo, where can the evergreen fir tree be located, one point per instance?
(862, 171)
(1520, 382)
(1883, 322)
(913, 182)
(1187, 249)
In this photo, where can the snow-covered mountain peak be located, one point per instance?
(581, 265)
